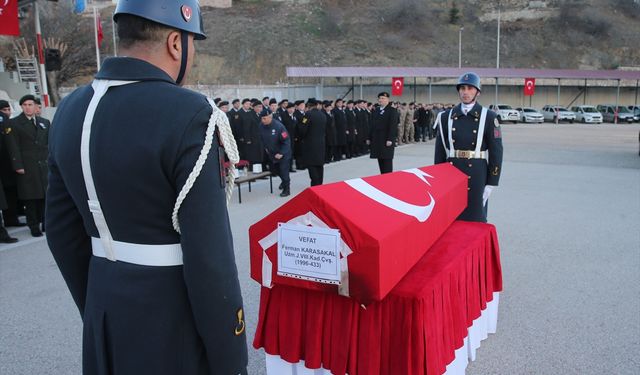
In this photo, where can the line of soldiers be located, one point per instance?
(23, 166)
(346, 130)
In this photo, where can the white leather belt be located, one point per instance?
(140, 254)
(468, 154)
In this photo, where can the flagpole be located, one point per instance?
(43, 81)
(115, 45)
(95, 29)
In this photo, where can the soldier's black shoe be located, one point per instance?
(14, 224)
(35, 232)
(292, 170)
(285, 193)
(281, 186)
(8, 239)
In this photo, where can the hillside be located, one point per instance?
(254, 41)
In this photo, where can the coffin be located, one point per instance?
(377, 228)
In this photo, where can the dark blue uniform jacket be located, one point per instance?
(276, 140)
(481, 172)
(145, 140)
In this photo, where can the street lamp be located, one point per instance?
(460, 47)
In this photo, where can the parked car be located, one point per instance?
(609, 113)
(505, 113)
(528, 114)
(587, 114)
(636, 111)
(549, 112)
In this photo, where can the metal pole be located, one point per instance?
(353, 89)
(321, 88)
(115, 44)
(95, 29)
(498, 41)
(496, 102)
(43, 74)
(430, 100)
(360, 87)
(460, 47)
(414, 89)
(558, 104)
(584, 97)
(636, 102)
(615, 117)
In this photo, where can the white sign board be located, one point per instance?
(309, 253)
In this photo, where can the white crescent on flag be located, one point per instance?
(421, 213)
(397, 84)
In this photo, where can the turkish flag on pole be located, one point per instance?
(396, 86)
(9, 24)
(99, 28)
(529, 86)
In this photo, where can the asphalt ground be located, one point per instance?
(568, 216)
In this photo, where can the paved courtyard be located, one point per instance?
(568, 216)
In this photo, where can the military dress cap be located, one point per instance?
(312, 101)
(273, 101)
(298, 102)
(27, 97)
(246, 100)
(265, 112)
(4, 104)
(283, 101)
(235, 101)
(349, 101)
(291, 105)
(384, 94)
(222, 103)
(469, 79)
(339, 100)
(266, 97)
(255, 103)
(217, 100)
(183, 15)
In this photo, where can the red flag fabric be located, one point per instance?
(529, 86)
(397, 86)
(99, 27)
(9, 24)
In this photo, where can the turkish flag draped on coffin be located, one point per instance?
(397, 84)
(9, 24)
(386, 222)
(529, 86)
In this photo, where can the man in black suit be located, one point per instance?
(5, 112)
(28, 148)
(383, 133)
(311, 133)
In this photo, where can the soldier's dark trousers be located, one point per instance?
(386, 165)
(281, 169)
(34, 210)
(11, 213)
(316, 174)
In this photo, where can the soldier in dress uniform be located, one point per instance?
(383, 133)
(223, 105)
(7, 173)
(151, 270)
(28, 148)
(327, 107)
(290, 122)
(235, 121)
(5, 112)
(340, 119)
(466, 134)
(277, 145)
(253, 151)
(300, 109)
(311, 133)
(351, 129)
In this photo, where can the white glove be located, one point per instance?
(487, 192)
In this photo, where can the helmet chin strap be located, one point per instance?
(184, 40)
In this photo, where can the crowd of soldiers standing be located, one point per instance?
(346, 130)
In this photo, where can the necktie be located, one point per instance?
(33, 121)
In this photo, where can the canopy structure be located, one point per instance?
(306, 71)
(433, 72)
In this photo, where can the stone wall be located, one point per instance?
(216, 3)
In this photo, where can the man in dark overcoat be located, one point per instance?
(340, 119)
(290, 122)
(28, 148)
(351, 129)
(383, 133)
(469, 137)
(4, 130)
(311, 133)
(151, 270)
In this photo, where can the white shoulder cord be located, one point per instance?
(220, 120)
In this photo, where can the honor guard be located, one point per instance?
(138, 224)
(469, 137)
(383, 133)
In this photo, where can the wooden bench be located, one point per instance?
(249, 178)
